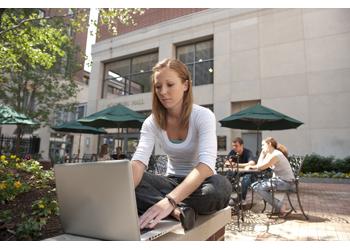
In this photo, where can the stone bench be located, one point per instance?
(208, 227)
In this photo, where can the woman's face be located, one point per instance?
(169, 88)
(264, 146)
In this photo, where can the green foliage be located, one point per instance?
(19, 176)
(38, 58)
(316, 163)
(5, 216)
(45, 207)
(111, 17)
(29, 42)
(40, 178)
(10, 183)
(30, 228)
(33, 60)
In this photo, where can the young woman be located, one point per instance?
(187, 134)
(274, 156)
(103, 154)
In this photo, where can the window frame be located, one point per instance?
(127, 79)
(194, 63)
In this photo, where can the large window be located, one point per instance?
(199, 59)
(129, 76)
(62, 116)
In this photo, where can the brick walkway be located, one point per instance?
(326, 204)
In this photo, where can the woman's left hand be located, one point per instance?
(154, 214)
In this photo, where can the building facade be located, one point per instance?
(295, 61)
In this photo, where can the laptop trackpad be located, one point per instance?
(162, 228)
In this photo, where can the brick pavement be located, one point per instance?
(326, 204)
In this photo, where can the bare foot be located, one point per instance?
(284, 212)
(283, 208)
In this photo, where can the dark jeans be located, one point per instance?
(212, 195)
(247, 180)
(263, 188)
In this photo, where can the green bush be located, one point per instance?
(30, 228)
(25, 182)
(347, 164)
(315, 163)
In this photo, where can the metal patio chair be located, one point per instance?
(296, 163)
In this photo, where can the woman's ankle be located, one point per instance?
(283, 209)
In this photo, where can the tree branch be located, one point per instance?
(32, 20)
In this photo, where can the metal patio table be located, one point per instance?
(237, 186)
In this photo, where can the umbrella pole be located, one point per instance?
(79, 146)
(119, 142)
(257, 144)
(118, 133)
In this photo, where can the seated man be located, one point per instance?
(245, 159)
(118, 154)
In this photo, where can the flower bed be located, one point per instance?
(28, 206)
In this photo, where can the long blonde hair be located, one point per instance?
(277, 146)
(158, 110)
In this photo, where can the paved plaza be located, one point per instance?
(326, 204)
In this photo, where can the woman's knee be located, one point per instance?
(262, 185)
(216, 186)
(211, 196)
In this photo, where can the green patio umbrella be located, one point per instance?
(259, 118)
(117, 116)
(77, 127)
(9, 116)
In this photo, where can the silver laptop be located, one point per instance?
(97, 200)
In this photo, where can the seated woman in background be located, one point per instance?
(274, 155)
(103, 154)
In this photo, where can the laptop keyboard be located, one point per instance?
(145, 230)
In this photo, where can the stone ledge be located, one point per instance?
(208, 227)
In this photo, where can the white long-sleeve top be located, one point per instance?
(200, 144)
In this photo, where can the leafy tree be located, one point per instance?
(38, 57)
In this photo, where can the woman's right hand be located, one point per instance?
(154, 214)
